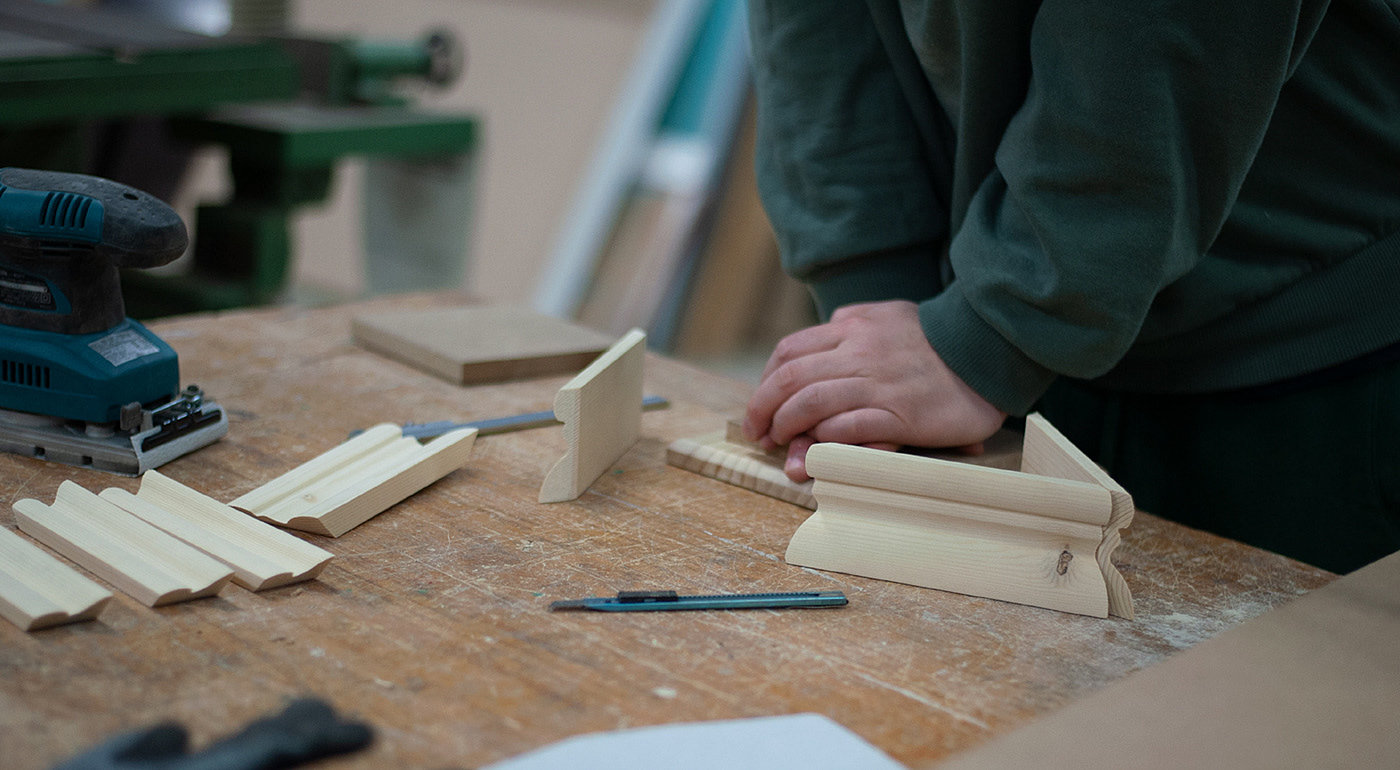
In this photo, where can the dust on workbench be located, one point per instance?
(431, 621)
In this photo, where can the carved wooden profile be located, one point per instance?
(602, 415)
(261, 555)
(38, 591)
(141, 560)
(1041, 536)
(729, 457)
(343, 488)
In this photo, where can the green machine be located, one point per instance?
(286, 109)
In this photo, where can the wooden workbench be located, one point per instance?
(431, 622)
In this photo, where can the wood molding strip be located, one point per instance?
(1041, 536)
(261, 555)
(343, 488)
(38, 591)
(602, 415)
(141, 560)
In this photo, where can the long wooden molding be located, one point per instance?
(261, 555)
(141, 560)
(602, 415)
(1031, 536)
(38, 591)
(728, 457)
(343, 488)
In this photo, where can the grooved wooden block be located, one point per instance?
(38, 591)
(261, 555)
(601, 409)
(153, 567)
(724, 456)
(343, 488)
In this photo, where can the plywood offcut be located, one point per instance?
(477, 344)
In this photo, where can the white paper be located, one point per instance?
(795, 742)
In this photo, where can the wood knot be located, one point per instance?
(1065, 558)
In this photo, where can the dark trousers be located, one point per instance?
(1309, 469)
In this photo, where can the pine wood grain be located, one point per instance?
(38, 591)
(357, 480)
(260, 555)
(139, 559)
(601, 412)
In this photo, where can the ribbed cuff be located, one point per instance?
(910, 274)
(979, 354)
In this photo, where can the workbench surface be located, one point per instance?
(431, 623)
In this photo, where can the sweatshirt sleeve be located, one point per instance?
(840, 174)
(1114, 177)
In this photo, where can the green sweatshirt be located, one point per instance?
(1158, 196)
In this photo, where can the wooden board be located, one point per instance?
(357, 480)
(38, 591)
(601, 409)
(139, 559)
(489, 343)
(725, 456)
(1315, 683)
(431, 623)
(260, 555)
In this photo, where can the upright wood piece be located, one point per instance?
(337, 491)
(602, 415)
(1032, 537)
(141, 560)
(489, 343)
(261, 555)
(38, 591)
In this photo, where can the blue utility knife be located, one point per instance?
(651, 601)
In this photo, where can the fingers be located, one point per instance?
(796, 465)
(813, 339)
(780, 385)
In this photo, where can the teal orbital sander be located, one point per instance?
(80, 383)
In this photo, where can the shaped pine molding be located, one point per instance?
(38, 591)
(343, 488)
(141, 560)
(602, 415)
(1041, 536)
(261, 555)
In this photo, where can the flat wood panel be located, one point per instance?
(431, 621)
(488, 343)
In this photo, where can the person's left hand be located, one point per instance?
(867, 377)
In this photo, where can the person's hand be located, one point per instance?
(868, 377)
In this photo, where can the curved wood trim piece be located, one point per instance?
(38, 591)
(141, 560)
(602, 416)
(1042, 536)
(343, 488)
